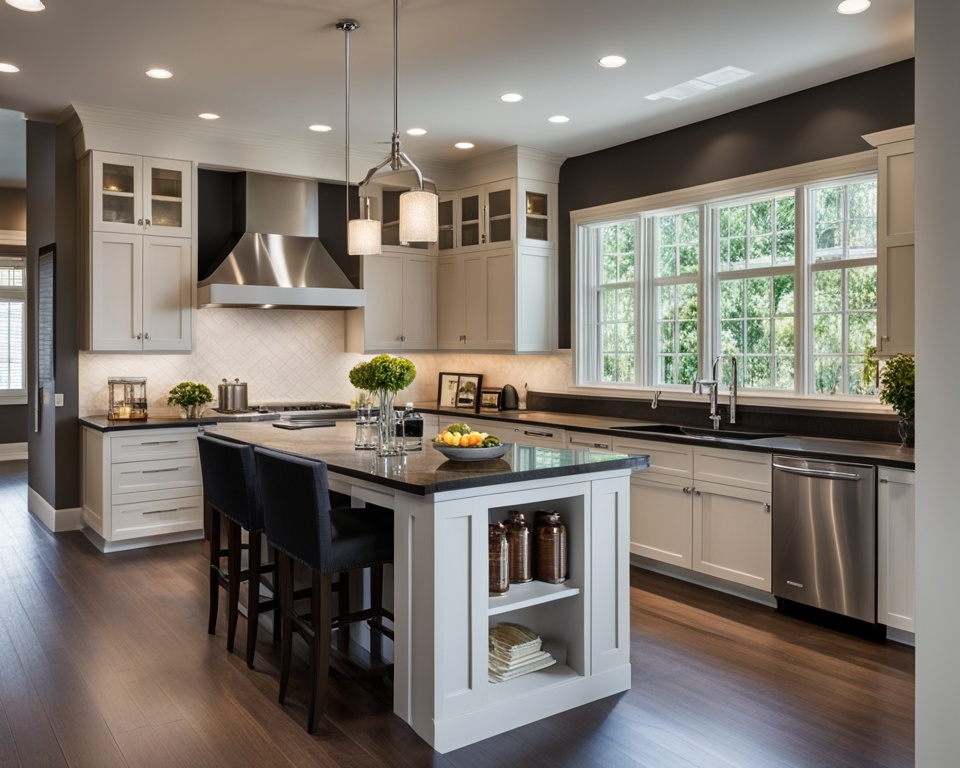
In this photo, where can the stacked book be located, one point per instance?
(515, 651)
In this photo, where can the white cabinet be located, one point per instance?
(537, 216)
(478, 217)
(895, 240)
(704, 509)
(541, 437)
(133, 194)
(400, 310)
(140, 290)
(141, 486)
(136, 250)
(896, 545)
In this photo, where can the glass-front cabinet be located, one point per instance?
(538, 213)
(477, 217)
(137, 195)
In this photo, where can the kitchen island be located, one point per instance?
(442, 608)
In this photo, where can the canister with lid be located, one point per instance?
(520, 546)
(551, 549)
(499, 560)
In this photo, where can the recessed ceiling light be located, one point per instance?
(208, 116)
(559, 119)
(159, 74)
(847, 7)
(416, 132)
(463, 145)
(27, 5)
(320, 128)
(612, 62)
(511, 97)
(8, 68)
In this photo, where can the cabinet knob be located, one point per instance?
(884, 480)
(147, 222)
(139, 336)
(146, 336)
(696, 492)
(403, 338)
(766, 507)
(885, 338)
(687, 489)
(139, 222)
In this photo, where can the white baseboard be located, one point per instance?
(56, 520)
(704, 580)
(13, 451)
(147, 541)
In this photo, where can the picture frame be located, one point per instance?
(468, 391)
(491, 398)
(447, 388)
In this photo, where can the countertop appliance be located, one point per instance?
(509, 400)
(289, 411)
(825, 535)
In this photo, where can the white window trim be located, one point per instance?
(17, 237)
(708, 194)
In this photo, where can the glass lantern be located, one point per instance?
(128, 398)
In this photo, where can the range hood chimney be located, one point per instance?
(278, 261)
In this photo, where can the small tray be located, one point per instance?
(456, 453)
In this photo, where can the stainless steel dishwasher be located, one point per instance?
(824, 535)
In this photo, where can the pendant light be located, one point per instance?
(418, 207)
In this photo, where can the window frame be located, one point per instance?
(17, 293)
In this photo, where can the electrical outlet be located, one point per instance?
(58, 400)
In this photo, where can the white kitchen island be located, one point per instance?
(442, 607)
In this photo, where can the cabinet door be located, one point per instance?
(895, 249)
(116, 306)
(470, 208)
(660, 518)
(473, 294)
(535, 292)
(731, 534)
(896, 545)
(500, 305)
(498, 213)
(447, 233)
(167, 294)
(166, 196)
(383, 308)
(537, 225)
(450, 304)
(419, 298)
(117, 202)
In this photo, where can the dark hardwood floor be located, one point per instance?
(105, 661)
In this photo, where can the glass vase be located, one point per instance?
(905, 428)
(388, 444)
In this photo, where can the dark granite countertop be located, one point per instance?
(103, 424)
(427, 471)
(880, 454)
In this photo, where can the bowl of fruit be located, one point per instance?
(460, 443)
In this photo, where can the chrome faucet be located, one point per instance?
(656, 400)
(711, 385)
(733, 384)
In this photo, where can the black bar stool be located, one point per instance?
(301, 526)
(232, 494)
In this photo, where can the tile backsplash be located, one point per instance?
(293, 355)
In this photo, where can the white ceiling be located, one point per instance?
(276, 66)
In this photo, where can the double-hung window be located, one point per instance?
(13, 298)
(782, 280)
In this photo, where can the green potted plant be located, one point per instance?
(384, 376)
(191, 397)
(897, 390)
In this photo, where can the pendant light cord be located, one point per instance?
(347, 26)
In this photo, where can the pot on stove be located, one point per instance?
(232, 398)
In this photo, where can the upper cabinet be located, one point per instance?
(477, 218)
(141, 195)
(895, 240)
(538, 213)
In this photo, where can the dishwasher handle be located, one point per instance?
(824, 473)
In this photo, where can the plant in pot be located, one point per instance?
(897, 390)
(191, 397)
(385, 376)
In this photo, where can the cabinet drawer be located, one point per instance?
(136, 476)
(152, 517)
(670, 459)
(739, 468)
(147, 445)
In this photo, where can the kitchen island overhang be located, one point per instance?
(441, 604)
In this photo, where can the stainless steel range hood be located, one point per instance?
(277, 262)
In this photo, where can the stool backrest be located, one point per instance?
(229, 472)
(296, 506)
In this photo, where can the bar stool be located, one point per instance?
(232, 495)
(302, 527)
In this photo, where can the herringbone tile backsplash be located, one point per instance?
(293, 355)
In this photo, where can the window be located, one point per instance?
(784, 281)
(13, 296)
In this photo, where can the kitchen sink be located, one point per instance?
(696, 432)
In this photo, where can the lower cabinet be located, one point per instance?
(896, 549)
(141, 486)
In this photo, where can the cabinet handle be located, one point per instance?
(403, 338)
(884, 480)
(162, 442)
(766, 507)
(168, 469)
(885, 338)
(158, 511)
(463, 338)
(687, 489)
(531, 433)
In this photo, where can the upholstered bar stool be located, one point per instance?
(302, 527)
(232, 494)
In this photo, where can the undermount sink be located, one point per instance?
(696, 432)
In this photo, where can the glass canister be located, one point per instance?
(366, 437)
(499, 559)
(411, 427)
(551, 549)
(520, 547)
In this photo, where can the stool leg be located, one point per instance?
(343, 609)
(376, 603)
(284, 574)
(214, 516)
(321, 617)
(253, 599)
(233, 583)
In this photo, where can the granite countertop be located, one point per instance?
(829, 449)
(103, 424)
(427, 471)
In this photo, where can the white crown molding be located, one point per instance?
(904, 133)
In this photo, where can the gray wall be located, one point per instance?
(13, 217)
(815, 124)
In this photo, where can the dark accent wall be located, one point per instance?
(815, 124)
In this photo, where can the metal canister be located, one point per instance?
(499, 560)
(520, 547)
(552, 550)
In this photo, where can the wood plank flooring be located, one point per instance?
(105, 661)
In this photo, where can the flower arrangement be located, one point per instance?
(897, 390)
(190, 396)
(383, 374)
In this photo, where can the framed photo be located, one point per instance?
(490, 398)
(468, 391)
(447, 389)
